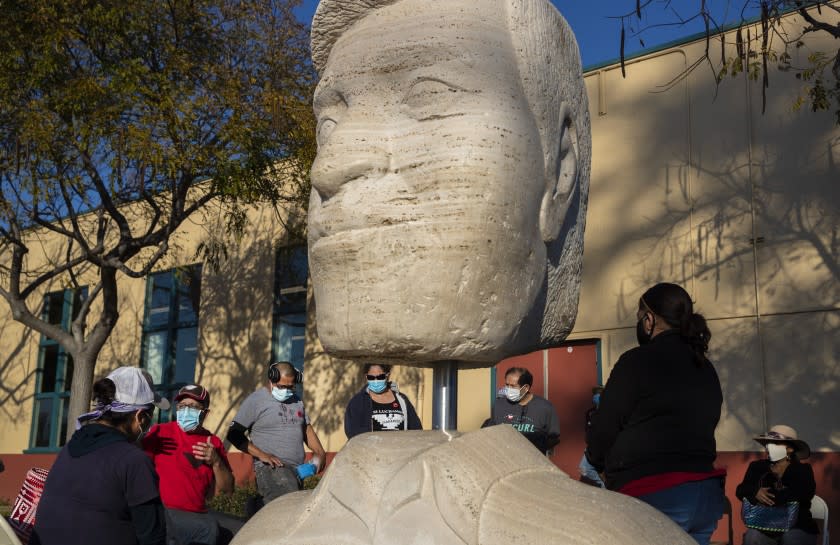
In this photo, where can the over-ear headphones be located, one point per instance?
(274, 372)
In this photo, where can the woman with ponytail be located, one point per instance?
(653, 436)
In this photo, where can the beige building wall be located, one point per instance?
(742, 209)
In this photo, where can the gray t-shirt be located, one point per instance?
(276, 428)
(537, 420)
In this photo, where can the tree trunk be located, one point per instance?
(86, 356)
(80, 395)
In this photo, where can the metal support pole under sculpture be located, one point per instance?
(445, 396)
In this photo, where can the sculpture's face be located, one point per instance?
(424, 241)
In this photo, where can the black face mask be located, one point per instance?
(641, 335)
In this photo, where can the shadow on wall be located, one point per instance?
(747, 217)
(16, 373)
(235, 336)
(330, 382)
(796, 216)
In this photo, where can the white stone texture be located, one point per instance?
(449, 191)
(487, 487)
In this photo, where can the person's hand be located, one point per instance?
(764, 496)
(271, 460)
(205, 452)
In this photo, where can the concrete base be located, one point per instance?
(428, 487)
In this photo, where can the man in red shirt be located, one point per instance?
(192, 465)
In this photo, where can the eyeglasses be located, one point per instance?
(284, 386)
(383, 376)
(180, 406)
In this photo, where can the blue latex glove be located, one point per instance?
(306, 470)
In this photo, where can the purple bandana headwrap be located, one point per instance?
(114, 407)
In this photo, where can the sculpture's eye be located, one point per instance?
(432, 99)
(325, 128)
(329, 105)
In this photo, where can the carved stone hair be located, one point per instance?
(548, 61)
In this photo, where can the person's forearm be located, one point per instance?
(314, 443)
(223, 476)
(255, 451)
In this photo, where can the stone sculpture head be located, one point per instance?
(449, 191)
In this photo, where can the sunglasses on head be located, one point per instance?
(383, 376)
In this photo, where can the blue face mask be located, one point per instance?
(377, 386)
(188, 418)
(282, 394)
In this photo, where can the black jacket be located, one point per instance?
(359, 413)
(797, 484)
(658, 413)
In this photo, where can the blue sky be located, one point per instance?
(598, 32)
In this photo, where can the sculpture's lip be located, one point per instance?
(320, 235)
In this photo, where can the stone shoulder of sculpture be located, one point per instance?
(484, 487)
(450, 187)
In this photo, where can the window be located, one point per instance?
(170, 329)
(289, 332)
(54, 374)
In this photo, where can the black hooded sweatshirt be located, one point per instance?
(101, 489)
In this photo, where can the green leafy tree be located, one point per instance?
(757, 51)
(120, 120)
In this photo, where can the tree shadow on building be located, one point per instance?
(759, 242)
(14, 373)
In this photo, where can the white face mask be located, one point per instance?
(281, 394)
(776, 452)
(513, 394)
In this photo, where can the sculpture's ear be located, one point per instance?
(562, 172)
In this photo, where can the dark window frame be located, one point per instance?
(288, 317)
(178, 284)
(69, 300)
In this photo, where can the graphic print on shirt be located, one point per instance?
(289, 413)
(521, 422)
(386, 416)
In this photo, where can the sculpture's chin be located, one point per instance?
(401, 292)
(421, 337)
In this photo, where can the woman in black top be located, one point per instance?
(777, 480)
(379, 406)
(653, 436)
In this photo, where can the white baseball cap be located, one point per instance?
(135, 387)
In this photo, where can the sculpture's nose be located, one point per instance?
(349, 155)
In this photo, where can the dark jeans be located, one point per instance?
(695, 506)
(211, 528)
(273, 482)
(794, 536)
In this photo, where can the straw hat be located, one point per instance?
(785, 435)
